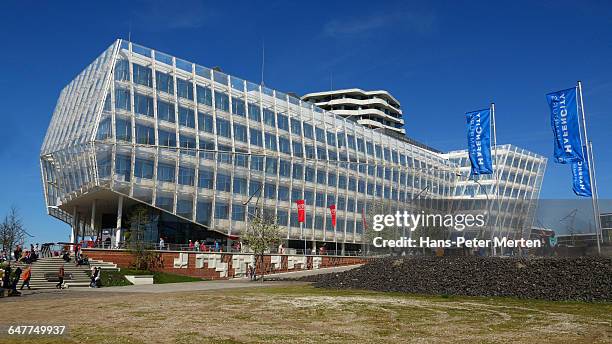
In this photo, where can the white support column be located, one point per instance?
(119, 215)
(342, 249)
(74, 233)
(93, 217)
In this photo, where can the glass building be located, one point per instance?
(511, 193)
(193, 144)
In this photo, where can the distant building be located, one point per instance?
(606, 227)
(372, 109)
(513, 191)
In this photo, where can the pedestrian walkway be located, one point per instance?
(221, 284)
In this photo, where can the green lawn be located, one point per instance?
(117, 278)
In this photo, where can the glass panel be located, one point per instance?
(184, 65)
(164, 58)
(141, 50)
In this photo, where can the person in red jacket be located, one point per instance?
(27, 274)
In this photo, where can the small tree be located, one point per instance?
(12, 231)
(377, 207)
(262, 234)
(138, 220)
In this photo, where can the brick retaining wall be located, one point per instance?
(216, 265)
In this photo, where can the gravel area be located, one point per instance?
(575, 278)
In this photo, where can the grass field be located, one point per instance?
(299, 313)
(116, 278)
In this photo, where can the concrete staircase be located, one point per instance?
(80, 276)
(103, 265)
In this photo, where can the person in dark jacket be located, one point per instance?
(6, 279)
(60, 275)
(16, 281)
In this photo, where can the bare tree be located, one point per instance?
(12, 230)
(262, 234)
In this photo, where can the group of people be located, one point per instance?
(251, 272)
(21, 255)
(10, 279)
(202, 247)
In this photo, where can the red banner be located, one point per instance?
(332, 210)
(301, 210)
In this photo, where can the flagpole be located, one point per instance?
(302, 236)
(495, 171)
(591, 170)
(596, 195)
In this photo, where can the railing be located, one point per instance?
(210, 248)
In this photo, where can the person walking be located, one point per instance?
(16, 281)
(6, 279)
(161, 243)
(60, 276)
(27, 274)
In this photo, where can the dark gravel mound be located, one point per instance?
(572, 278)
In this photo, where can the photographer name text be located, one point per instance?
(459, 242)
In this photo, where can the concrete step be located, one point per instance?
(42, 266)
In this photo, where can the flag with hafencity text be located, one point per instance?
(479, 141)
(580, 177)
(565, 126)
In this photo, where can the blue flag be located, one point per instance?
(479, 141)
(580, 177)
(564, 121)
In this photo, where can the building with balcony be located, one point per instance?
(201, 150)
(372, 109)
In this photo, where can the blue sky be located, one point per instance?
(439, 59)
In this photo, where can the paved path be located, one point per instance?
(179, 287)
(220, 284)
(303, 273)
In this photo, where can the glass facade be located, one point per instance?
(196, 143)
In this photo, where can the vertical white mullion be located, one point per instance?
(265, 153)
(292, 162)
(213, 92)
(177, 137)
(232, 154)
(196, 172)
(324, 165)
(247, 114)
(358, 196)
(133, 122)
(113, 132)
(315, 161)
(155, 127)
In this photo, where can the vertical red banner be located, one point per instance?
(301, 210)
(332, 210)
